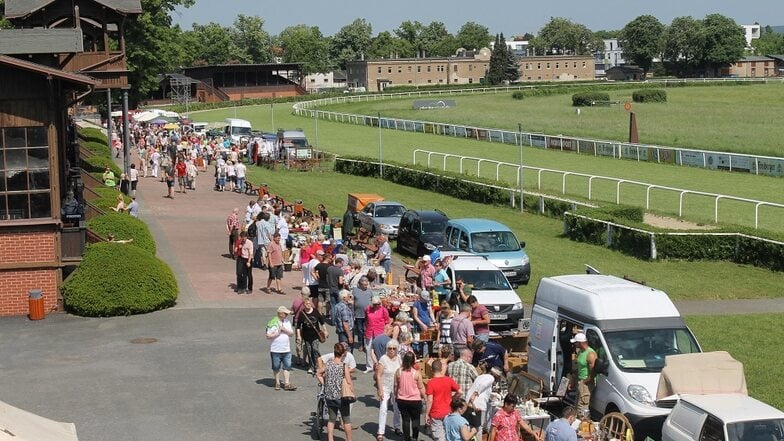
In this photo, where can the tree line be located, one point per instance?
(155, 45)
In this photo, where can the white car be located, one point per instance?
(381, 217)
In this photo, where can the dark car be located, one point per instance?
(419, 229)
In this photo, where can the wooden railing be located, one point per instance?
(93, 61)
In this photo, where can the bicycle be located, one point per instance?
(320, 416)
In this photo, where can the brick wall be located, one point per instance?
(20, 250)
(16, 284)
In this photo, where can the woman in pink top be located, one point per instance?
(376, 317)
(409, 393)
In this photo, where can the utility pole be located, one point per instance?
(380, 158)
(520, 134)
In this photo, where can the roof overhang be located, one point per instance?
(77, 79)
(41, 41)
(23, 8)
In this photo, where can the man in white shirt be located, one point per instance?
(133, 174)
(478, 396)
(279, 332)
(240, 171)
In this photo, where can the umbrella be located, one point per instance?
(171, 126)
(19, 425)
(159, 121)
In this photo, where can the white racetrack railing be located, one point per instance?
(431, 157)
(756, 164)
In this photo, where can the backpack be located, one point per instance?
(252, 230)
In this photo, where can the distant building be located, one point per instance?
(332, 80)
(752, 32)
(752, 67)
(625, 73)
(376, 75)
(557, 68)
(517, 45)
(778, 63)
(611, 56)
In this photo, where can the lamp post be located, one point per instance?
(380, 158)
(520, 135)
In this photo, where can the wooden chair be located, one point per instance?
(615, 425)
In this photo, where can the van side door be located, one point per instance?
(542, 346)
(601, 395)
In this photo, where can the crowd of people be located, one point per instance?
(447, 386)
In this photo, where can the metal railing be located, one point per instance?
(757, 164)
(462, 167)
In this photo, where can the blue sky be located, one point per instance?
(512, 17)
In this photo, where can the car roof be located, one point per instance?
(463, 261)
(429, 213)
(732, 408)
(476, 224)
(386, 203)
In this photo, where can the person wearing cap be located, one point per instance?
(478, 397)
(585, 360)
(425, 270)
(386, 367)
(423, 319)
(310, 277)
(507, 422)
(279, 332)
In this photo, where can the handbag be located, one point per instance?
(347, 394)
(322, 336)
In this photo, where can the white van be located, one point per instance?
(490, 286)
(237, 129)
(631, 326)
(723, 417)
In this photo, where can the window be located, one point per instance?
(454, 68)
(558, 65)
(429, 81)
(379, 69)
(713, 430)
(419, 68)
(575, 65)
(389, 69)
(25, 191)
(409, 68)
(326, 80)
(539, 66)
(409, 81)
(470, 81)
(400, 69)
(548, 65)
(428, 68)
(312, 80)
(440, 80)
(440, 68)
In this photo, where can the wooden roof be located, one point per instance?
(81, 80)
(22, 8)
(41, 41)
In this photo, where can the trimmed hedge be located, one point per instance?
(90, 134)
(649, 96)
(97, 148)
(739, 244)
(447, 183)
(119, 279)
(124, 227)
(583, 99)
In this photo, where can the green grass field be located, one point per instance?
(744, 119)
(751, 339)
(346, 139)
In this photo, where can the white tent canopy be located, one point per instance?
(19, 425)
(151, 114)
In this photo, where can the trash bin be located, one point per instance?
(36, 311)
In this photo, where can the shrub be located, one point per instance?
(124, 227)
(588, 98)
(518, 95)
(97, 164)
(90, 134)
(649, 96)
(106, 192)
(97, 148)
(119, 279)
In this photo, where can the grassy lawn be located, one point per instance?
(399, 146)
(550, 253)
(745, 119)
(751, 339)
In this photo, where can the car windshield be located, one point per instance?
(764, 430)
(643, 350)
(240, 131)
(485, 280)
(389, 210)
(494, 241)
(433, 225)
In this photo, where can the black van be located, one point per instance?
(418, 228)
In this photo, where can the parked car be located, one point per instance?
(381, 217)
(421, 231)
(489, 285)
(493, 240)
(723, 417)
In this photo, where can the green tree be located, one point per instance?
(387, 45)
(4, 24)
(769, 43)
(305, 44)
(153, 45)
(253, 42)
(214, 45)
(473, 36)
(682, 45)
(351, 42)
(431, 40)
(607, 34)
(503, 64)
(409, 31)
(641, 41)
(447, 46)
(561, 36)
(725, 42)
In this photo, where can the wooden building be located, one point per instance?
(231, 82)
(34, 141)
